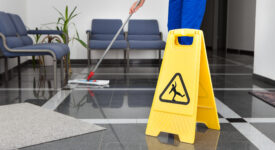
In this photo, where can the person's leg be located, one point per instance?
(174, 14)
(192, 14)
(181, 95)
(174, 97)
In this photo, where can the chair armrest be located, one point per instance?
(88, 31)
(45, 32)
(56, 32)
(3, 37)
(161, 35)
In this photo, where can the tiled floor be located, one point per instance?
(247, 123)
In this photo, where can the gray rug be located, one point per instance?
(23, 125)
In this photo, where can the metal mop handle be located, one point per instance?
(114, 39)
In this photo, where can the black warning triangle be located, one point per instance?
(174, 93)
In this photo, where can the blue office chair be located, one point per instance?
(103, 31)
(15, 42)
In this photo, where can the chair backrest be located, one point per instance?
(21, 29)
(105, 29)
(143, 27)
(8, 29)
(106, 26)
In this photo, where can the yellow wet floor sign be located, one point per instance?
(184, 93)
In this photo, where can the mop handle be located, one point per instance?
(114, 39)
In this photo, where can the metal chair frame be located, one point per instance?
(36, 51)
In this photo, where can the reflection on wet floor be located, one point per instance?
(169, 141)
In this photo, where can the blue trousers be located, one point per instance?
(186, 14)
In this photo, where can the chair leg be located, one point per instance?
(6, 78)
(89, 57)
(19, 71)
(55, 74)
(125, 56)
(19, 62)
(125, 61)
(160, 56)
(128, 59)
(62, 72)
(67, 67)
(19, 79)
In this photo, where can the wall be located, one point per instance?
(207, 23)
(42, 11)
(35, 13)
(264, 39)
(241, 24)
(17, 7)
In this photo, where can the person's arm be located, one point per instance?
(133, 9)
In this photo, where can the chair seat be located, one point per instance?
(133, 44)
(59, 49)
(102, 45)
(106, 37)
(144, 37)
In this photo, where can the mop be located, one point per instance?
(88, 81)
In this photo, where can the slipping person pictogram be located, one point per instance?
(174, 89)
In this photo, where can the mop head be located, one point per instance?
(90, 82)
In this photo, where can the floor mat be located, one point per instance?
(268, 97)
(23, 125)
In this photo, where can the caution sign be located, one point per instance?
(184, 93)
(175, 91)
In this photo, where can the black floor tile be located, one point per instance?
(230, 69)
(237, 81)
(236, 120)
(107, 104)
(244, 59)
(132, 137)
(245, 105)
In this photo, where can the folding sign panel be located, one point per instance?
(184, 93)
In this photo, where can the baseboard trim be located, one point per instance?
(263, 79)
(241, 52)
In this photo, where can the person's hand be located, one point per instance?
(134, 9)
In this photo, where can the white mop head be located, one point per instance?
(91, 82)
